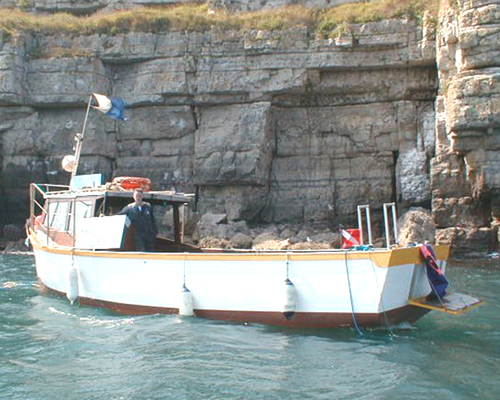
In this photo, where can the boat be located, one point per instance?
(85, 252)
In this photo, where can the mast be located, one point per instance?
(79, 140)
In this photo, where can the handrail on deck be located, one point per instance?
(390, 210)
(390, 215)
(34, 188)
(38, 189)
(368, 224)
(48, 187)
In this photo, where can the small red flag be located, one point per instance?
(350, 238)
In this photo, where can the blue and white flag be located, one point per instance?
(111, 106)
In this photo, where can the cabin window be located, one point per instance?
(58, 215)
(83, 209)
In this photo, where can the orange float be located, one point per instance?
(133, 182)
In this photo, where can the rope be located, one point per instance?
(354, 319)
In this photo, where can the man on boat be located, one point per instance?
(141, 216)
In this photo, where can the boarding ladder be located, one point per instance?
(364, 224)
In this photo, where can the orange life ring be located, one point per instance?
(133, 182)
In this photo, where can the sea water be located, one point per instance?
(50, 350)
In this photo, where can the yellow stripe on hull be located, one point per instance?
(381, 258)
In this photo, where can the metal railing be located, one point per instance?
(368, 223)
(392, 207)
(40, 191)
(364, 224)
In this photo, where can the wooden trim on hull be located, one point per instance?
(298, 320)
(382, 258)
(316, 319)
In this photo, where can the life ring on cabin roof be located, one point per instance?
(133, 182)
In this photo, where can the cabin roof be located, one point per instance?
(169, 196)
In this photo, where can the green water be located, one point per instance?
(51, 350)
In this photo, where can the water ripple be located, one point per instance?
(51, 350)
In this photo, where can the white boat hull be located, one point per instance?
(332, 289)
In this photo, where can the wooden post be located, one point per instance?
(32, 206)
(177, 224)
(74, 221)
(48, 221)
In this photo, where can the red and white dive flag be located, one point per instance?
(350, 238)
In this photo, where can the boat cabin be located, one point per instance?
(85, 218)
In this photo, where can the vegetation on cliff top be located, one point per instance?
(325, 23)
(332, 20)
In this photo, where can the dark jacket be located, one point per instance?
(143, 220)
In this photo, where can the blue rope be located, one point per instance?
(350, 296)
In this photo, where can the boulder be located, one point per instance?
(416, 226)
(309, 246)
(305, 234)
(213, 219)
(271, 244)
(210, 242)
(287, 233)
(241, 241)
(325, 237)
(271, 233)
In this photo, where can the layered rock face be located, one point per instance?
(265, 126)
(466, 183)
(271, 127)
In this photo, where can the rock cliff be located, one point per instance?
(273, 127)
(465, 180)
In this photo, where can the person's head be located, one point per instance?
(138, 193)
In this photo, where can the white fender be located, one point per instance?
(72, 290)
(186, 303)
(290, 299)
